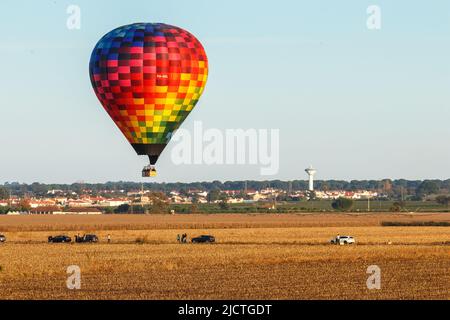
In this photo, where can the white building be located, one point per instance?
(79, 203)
(17, 213)
(81, 211)
(114, 202)
(235, 200)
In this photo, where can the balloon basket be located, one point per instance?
(149, 172)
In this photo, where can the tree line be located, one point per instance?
(401, 188)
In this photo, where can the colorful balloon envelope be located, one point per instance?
(148, 77)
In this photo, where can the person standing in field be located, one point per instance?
(109, 238)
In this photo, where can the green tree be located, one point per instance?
(444, 200)
(194, 208)
(123, 208)
(38, 189)
(159, 206)
(4, 210)
(195, 199)
(427, 187)
(312, 195)
(159, 201)
(342, 204)
(213, 195)
(223, 205)
(398, 206)
(4, 193)
(108, 210)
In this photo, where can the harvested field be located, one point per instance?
(205, 221)
(255, 257)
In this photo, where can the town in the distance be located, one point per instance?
(226, 197)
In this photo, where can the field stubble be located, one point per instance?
(260, 261)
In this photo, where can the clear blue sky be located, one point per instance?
(355, 103)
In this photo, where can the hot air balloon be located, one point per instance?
(148, 77)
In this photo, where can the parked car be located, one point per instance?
(59, 239)
(204, 239)
(2, 238)
(87, 238)
(343, 240)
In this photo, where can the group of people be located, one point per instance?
(182, 238)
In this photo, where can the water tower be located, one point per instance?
(311, 172)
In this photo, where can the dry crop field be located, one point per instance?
(255, 257)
